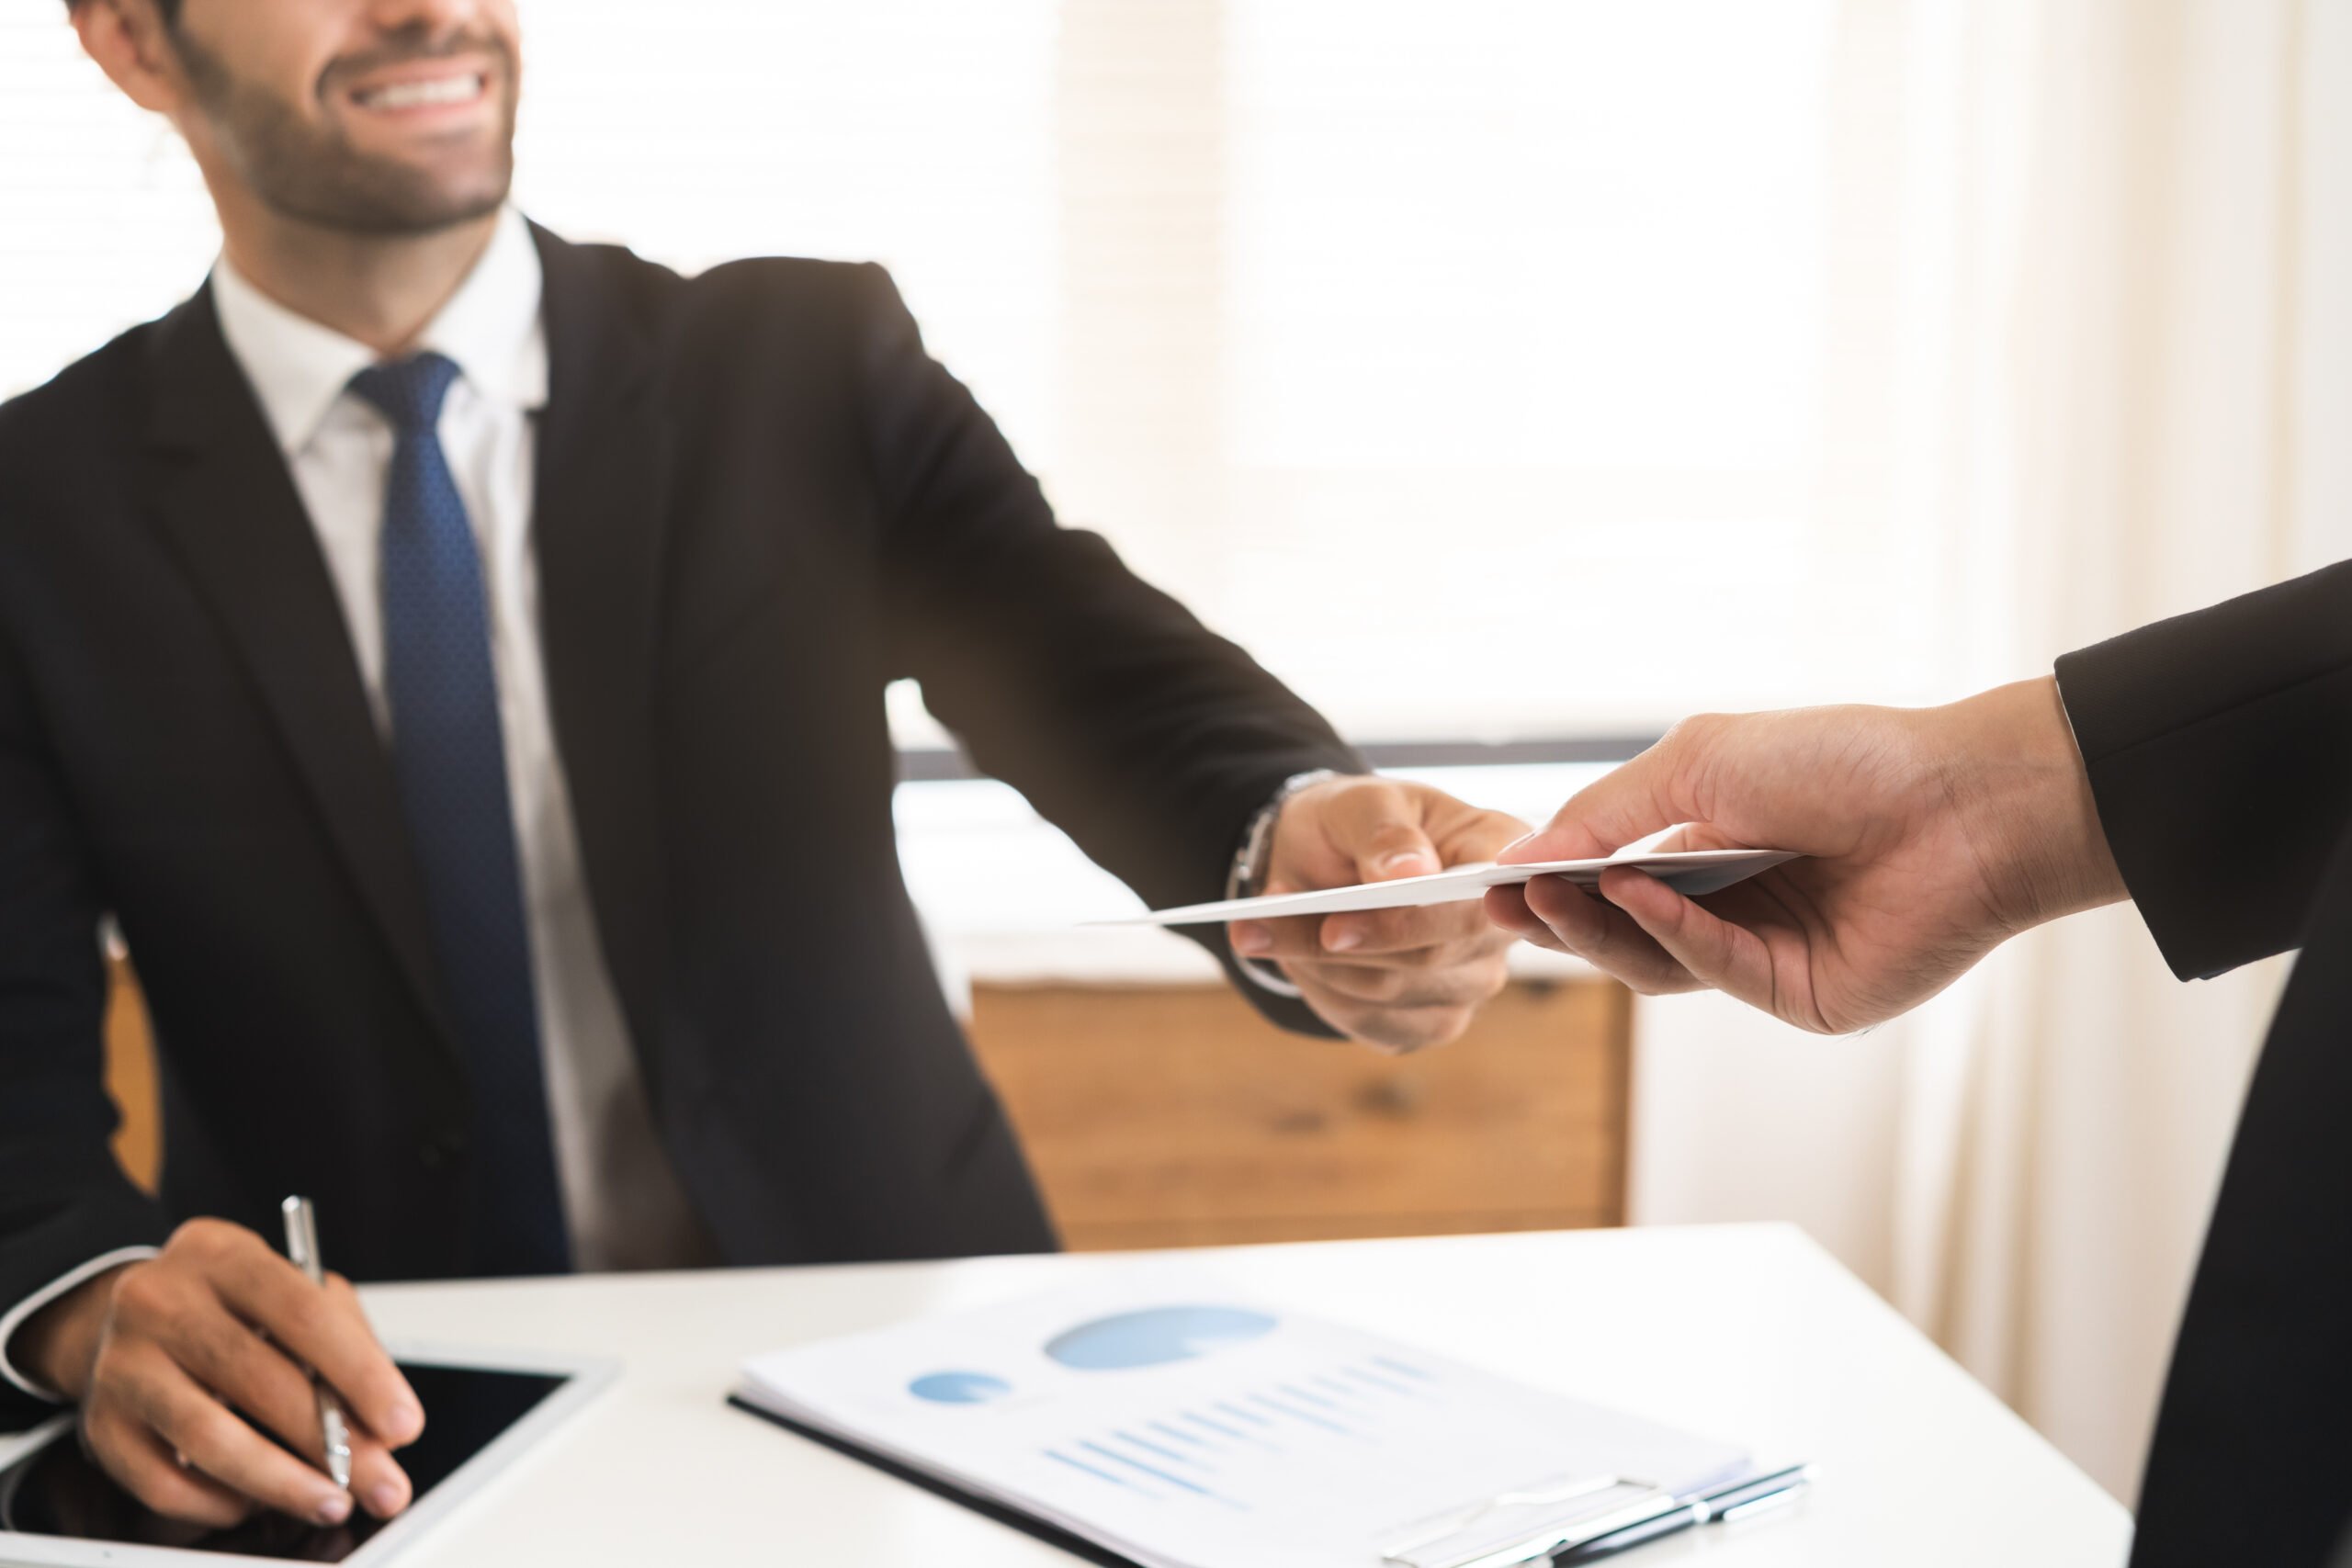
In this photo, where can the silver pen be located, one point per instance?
(302, 1247)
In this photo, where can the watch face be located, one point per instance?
(57, 1490)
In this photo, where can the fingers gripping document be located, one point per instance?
(1692, 872)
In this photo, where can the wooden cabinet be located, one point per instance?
(1174, 1116)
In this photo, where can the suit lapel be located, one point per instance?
(227, 506)
(597, 533)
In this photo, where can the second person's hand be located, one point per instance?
(1931, 835)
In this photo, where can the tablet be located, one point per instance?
(483, 1410)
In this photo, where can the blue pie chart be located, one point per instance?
(1156, 1337)
(958, 1388)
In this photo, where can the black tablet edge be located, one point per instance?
(1027, 1523)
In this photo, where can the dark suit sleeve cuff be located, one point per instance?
(66, 1242)
(2218, 747)
(1263, 985)
(17, 1316)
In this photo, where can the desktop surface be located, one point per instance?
(1747, 1331)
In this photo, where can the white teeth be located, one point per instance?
(416, 94)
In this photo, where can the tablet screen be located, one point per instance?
(57, 1491)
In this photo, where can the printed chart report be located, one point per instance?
(1167, 1419)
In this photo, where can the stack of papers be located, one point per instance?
(1164, 1417)
(1692, 872)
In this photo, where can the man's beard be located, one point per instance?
(309, 171)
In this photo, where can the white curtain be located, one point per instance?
(2117, 235)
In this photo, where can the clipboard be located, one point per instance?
(1158, 1417)
(1579, 1522)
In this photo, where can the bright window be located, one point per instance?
(1478, 366)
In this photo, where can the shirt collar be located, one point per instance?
(490, 327)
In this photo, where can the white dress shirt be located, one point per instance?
(622, 1199)
(624, 1205)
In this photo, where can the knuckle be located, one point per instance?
(1685, 734)
(125, 1372)
(1372, 805)
(1342, 1012)
(1419, 1036)
(233, 1358)
(190, 1237)
(151, 1485)
(1502, 826)
(1466, 933)
(205, 1239)
(306, 1315)
(1299, 936)
(1448, 1025)
(97, 1428)
(213, 1437)
(143, 1293)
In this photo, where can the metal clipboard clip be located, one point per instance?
(1534, 1524)
(1603, 1513)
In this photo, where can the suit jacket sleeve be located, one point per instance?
(1126, 723)
(2220, 752)
(63, 1201)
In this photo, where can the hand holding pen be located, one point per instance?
(187, 1363)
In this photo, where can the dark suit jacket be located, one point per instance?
(2219, 747)
(758, 502)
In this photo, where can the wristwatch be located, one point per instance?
(1248, 877)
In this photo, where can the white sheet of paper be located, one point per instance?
(1690, 872)
(1161, 1415)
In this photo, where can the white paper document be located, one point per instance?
(1176, 1422)
(1690, 872)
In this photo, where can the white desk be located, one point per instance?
(1750, 1332)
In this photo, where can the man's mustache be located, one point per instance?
(408, 48)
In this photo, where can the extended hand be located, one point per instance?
(171, 1357)
(1400, 979)
(1933, 836)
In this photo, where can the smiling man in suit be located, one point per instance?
(455, 657)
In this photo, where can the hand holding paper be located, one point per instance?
(1929, 836)
(1404, 979)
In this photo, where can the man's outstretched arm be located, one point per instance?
(1150, 741)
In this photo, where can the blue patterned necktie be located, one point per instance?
(449, 758)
